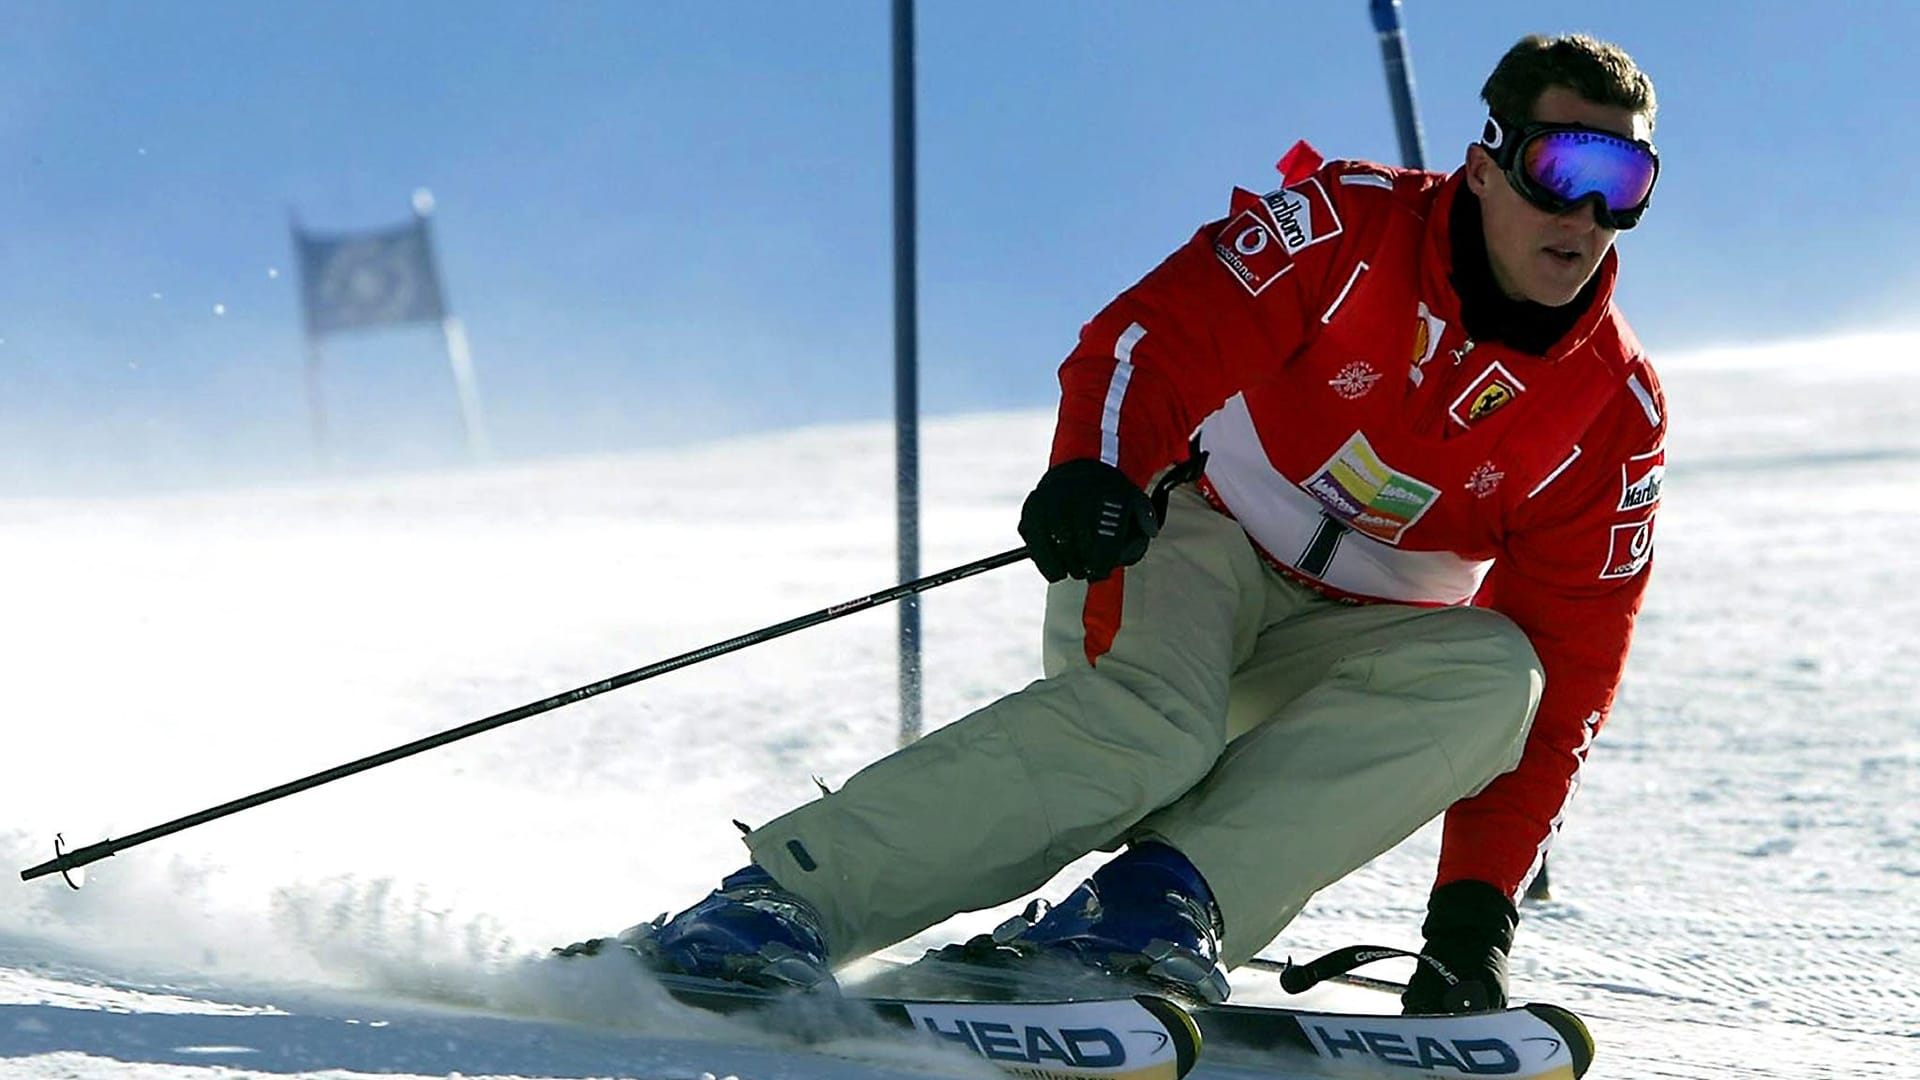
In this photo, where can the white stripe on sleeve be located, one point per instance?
(1555, 474)
(1342, 298)
(1117, 393)
(1645, 396)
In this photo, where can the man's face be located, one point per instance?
(1536, 255)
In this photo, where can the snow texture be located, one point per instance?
(1737, 889)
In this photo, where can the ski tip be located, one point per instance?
(1181, 1027)
(1570, 1027)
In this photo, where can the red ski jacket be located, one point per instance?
(1313, 344)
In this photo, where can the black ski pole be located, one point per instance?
(71, 860)
(1299, 978)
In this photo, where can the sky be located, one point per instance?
(1736, 889)
(664, 221)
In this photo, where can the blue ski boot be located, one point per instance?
(749, 930)
(1147, 912)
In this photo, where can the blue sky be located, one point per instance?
(667, 221)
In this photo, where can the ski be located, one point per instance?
(1073, 1023)
(1120, 1036)
(1527, 1042)
(1524, 1042)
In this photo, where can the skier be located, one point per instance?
(1406, 455)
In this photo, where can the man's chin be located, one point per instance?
(1557, 293)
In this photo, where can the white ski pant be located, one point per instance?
(1275, 737)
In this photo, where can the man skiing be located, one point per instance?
(1406, 456)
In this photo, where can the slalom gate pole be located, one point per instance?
(79, 857)
(1393, 52)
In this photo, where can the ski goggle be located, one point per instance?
(1558, 166)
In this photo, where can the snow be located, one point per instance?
(1737, 889)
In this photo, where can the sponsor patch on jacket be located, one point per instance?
(1354, 380)
(1251, 252)
(1428, 329)
(1628, 549)
(1485, 479)
(1303, 214)
(1494, 388)
(1368, 495)
(1640, 480)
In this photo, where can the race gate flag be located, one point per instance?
(381, 277)
(363, 279)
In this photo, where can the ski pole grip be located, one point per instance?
(1299, 978)
(1295, 979)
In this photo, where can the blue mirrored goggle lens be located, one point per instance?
(1574, 164)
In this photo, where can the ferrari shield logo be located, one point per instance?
(1490, 399)
(1495, 387)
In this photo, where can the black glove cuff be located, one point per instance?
(1471, 911)
(1093, 477)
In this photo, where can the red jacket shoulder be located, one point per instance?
(1641, 402)
(1355, 180)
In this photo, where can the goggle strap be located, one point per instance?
(1494, 135)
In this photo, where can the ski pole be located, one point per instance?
(1336, 966)
(64, 861)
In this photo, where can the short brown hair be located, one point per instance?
(1599, 71)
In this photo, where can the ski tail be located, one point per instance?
(1183, 1030)
(1571, 1028)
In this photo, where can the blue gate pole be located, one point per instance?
(906, 344)
(1393, 50)
(1406, 117)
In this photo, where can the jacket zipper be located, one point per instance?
(1435, 412)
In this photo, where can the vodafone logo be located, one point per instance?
(1247, 248)
(1628, 549)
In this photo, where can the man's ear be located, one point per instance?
(1480, 169)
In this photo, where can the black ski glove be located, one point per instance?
(1084, 519)
(1469, 931)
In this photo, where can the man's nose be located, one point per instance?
(1583, 216)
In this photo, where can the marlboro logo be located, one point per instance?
(1303, 214)
(1640, 480)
